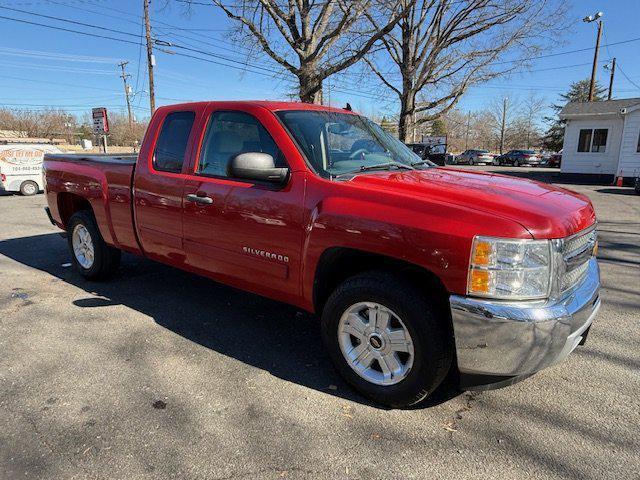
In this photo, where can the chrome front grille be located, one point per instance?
(576, 251)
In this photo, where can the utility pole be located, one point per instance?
(124, 76)
(150, 58)
(466, 135)
(503, 125)
(613, 71)
(589, 19)
(592, 85)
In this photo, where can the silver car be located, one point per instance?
(475, 157)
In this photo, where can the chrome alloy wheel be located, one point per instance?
(375, 343)
(83, 246)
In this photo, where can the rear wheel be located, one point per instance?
(92, 257)
(385, 338)
(28, 188)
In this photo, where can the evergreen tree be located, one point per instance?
(578, 92)
(438, 128)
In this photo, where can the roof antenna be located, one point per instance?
(348, 107)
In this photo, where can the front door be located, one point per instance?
(243, 232)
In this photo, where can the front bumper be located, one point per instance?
(499, 342)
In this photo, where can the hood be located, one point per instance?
(546, 211)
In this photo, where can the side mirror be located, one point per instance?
(257, 166)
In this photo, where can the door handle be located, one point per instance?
(192, 197)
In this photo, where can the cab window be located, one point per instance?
(232, 133)
(172, 142)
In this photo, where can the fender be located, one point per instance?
(428, 234)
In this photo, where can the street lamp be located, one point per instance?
(590, 19)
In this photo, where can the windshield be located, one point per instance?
(338, 143)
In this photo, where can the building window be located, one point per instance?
(584, 142)
(599, 140)
(593, 140)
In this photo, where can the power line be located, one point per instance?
(18, 52)
(58, 68)
(172, 26)
(69, 21)
(49, 82)
(627, 77)
(95, 35)
(566, 52)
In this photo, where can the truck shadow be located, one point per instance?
(260, 332)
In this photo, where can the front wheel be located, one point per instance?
(28, 188)
(92, 257)
(386, 339)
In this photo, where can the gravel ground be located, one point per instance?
(162, 374)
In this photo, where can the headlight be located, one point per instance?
(509, 269)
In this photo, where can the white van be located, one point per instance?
(21, 167)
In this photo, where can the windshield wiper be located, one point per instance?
(422, 162)
(379, 166)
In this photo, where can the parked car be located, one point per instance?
(475, 157)
(434, 153)
(413, 269)
(518, 158)
(555, 160)
(544, 155)
(450, 159)
(21, 167)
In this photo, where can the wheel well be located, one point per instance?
(70, 203)
(338, 264)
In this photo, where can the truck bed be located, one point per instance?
(105, 182)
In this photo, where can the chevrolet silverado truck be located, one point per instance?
(415, 271)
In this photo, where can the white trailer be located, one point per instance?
(21, 167)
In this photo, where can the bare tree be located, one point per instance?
(501, 118)
(532, 108)
(447, 46)
(312, 39)
(48, 123)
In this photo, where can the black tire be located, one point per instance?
(106, 259)
(29, 188)
(432, 342)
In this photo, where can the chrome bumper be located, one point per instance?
(500, 340)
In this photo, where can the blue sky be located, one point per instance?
(46, 67)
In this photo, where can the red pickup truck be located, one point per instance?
(415, 270)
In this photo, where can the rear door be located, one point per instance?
(246, 233)
(159, 186)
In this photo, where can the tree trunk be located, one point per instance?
(406, 120)
(310, 88)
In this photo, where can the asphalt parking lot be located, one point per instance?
(162, 374)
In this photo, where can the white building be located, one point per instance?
(602, 137)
